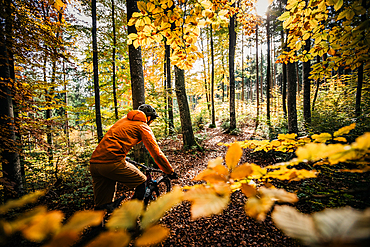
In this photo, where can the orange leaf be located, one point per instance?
(233, 155)
(241, 171)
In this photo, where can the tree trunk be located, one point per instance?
(297, 74)
(257, 81)
(11, 167)
(213, 125)
(232, 44)
(317, 85)
(182, 100)
(360, 78)
(360, 71)
(169, 90)
(205, 72)
(66, 125)
(96, 75)
(307, 89)
(261, 78)
(135, 60)
(223, 79)
(114, 63)
(243, 96)
(137, 79)
(291, 97)
(268, 74)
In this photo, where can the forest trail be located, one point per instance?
(233, 227)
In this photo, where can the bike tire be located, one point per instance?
(158, 188)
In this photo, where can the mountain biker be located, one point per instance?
(108, 164)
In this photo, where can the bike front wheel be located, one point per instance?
(159, 187)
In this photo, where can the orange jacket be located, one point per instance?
(123, 135)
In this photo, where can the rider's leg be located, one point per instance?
(104, 187)
(139, 192)
(121, 171)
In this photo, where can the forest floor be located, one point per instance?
(233, 227)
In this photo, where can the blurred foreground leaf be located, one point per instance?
(111, 238)
(330, 227)
(125, 217)
(159, 207)
(70, 232)
(17, 203)
(206, 201)
(152, 236)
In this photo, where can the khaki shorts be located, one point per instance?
(105, 176)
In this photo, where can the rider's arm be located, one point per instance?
(154, 150)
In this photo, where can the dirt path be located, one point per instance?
(233, 227)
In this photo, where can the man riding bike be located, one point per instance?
(108, 165)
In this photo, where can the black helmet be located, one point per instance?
(148, 110)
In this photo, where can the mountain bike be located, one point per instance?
(155, 186)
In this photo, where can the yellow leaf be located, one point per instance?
(125, 217)
(328, 227)
(159, 207)
(139, 23)
(258, 172)
(136, 15)
(345, 130)
(214, 162)
(221, 169)
(340, 153)
(136, 43)
(257, 208)
(310, 152)
(111, 238)
(152, 236)
(306, 36)
(70, 232)
(141, 6)
(362, 142)
(223, 12)
(29, 198)
(44, 225)
(323, 137)
(58, 5)
(279, 194)
(284, 16)
(340, 139)
(27, 218)
(248, 190)
(147, 20)
(291, 4)
(235, 186)
(131, 21)
(275, 143)
(338, 4)
(205, 201)
(222, 189)
(132, 36)
(287, 136)
(233, 155)
(241, 171)
(150, 7)
(295, 224)
(210, 176)
(206, 4)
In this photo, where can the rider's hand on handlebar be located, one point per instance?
(173, 175)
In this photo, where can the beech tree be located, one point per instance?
(232, 44)
(96, 73)
(182, 100)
